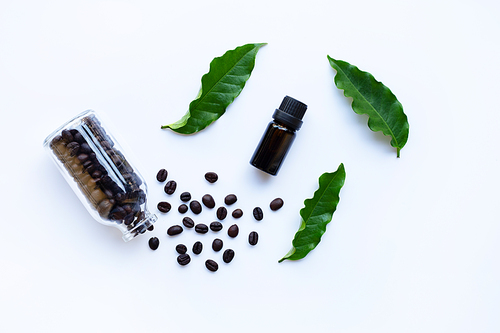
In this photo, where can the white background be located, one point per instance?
(414, 244)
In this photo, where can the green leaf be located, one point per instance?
(219, 87)
(385, 112)
(316, 214)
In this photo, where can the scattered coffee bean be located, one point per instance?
(217, 245)
(150, 228)
(183, 208)
(181, 248)
(174, 230)
(161, 176)
(195, 206)
(211, 177)
(170, 187)
(208, 201)
(211, 265)
(221, 213)
(201, 228)
(253, 238)
(233, 231)
(197, 247)
(276, 204)
(183, 259)
(185, 196)
(154, 242)
(216, 226)
(258, 214)
(228, 256)
(164, 206)
(237, 213)
(188, 222)
(230, 199)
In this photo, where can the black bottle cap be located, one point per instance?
(290, 112)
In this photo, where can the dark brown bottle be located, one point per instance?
(279, 136)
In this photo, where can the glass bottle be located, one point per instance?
(105, 181)
(279, 136)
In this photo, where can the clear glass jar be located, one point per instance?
(95, 167)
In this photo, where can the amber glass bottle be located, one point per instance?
(279, 136)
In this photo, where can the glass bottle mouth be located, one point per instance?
(141, 227)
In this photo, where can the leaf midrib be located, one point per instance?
(378, 114)
(203, 96)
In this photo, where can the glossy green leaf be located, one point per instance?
(219, 87)
(385, 112)
(316, 214)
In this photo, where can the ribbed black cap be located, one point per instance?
(290, 112)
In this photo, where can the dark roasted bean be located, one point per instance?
(211, 265)
(221, 213)
(188, 222)
(197, 247)
(211, 177)
(161, 176)
(129, 218)
(201, 228)
(216, 226)
(208, 201)
(185, 196)
(181, 248)
(217, 244)
(195, 206)
(276, 204)
(253, 238)
(78, 138)
(96, 174)
(183, 208)
(150, 228)
(258, 214)
(237, 213)
(228, 256)
(154, 242)
(233, 230)
(183, 259)
(174, 230)
(73, 148)
(67, 135)
(170, 187)
(85, 148)
(230, 199)
(117, 213)
(164, 206)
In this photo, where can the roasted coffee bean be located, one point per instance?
(185, 196)
(150, 228)
(216, 226)
(164, 206)
(253, 238)
(276, 204)
(78, 138)
(233, 231)
(221, 213)
(208, 201)
(82, 158)
(161, 176)
(228, 256)
(237, 213)
(129, 218)
(85, 148)
(67, 135)
(183, 259)
(217, 245)
(188, 222)
(197, 247)
(154, 242)
(117, 213)
(230, 199)
(73, 148)
(181, 248)
(201, 228)
(96, 174)
(211, 265)
(170, 187)
(211, 177)
(174, 230)
(183, 208)
(195, 206)
(258, 214)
